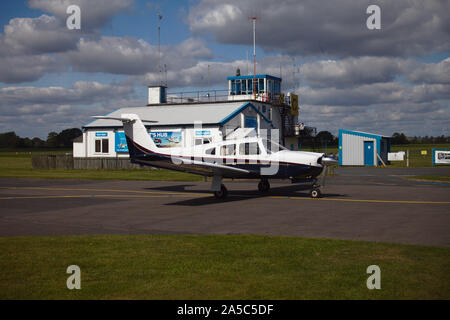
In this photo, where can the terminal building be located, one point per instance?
(252, 105)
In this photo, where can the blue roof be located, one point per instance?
(363, 134)
(258, 76)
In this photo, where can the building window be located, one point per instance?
(98, 146)
(102, 146)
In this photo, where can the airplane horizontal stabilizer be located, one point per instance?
(122, 119)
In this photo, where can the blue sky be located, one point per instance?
(383, 81)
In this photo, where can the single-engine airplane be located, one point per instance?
(245, 158)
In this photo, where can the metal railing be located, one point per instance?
(197, 96)
(219, 95)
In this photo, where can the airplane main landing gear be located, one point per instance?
(222, 193)
(264, 186)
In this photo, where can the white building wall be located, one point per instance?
(87, 147)
(78, 150)
(353, 149)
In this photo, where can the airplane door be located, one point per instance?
(368, 153)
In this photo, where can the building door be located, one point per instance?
(368, 153)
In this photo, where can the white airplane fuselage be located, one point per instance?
(246, 158)
(262, 163)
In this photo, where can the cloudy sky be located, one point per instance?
(393, 79)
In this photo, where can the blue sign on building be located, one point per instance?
(202, 132)
(166, 139)
(121, 142)
(101, 134)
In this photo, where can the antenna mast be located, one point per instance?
(159, 48)
(254, 18)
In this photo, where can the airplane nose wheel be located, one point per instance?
(264, 186)
(315, 193)
(222, 194)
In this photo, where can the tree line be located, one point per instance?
(325, 138)
(62, 139)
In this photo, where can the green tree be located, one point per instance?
(66, 136)
(52, 140)
(399, 138)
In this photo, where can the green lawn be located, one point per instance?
(19, 166)
(218, 267)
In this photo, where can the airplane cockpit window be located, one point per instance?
(228, 150)
(271, 146)
(251, 148)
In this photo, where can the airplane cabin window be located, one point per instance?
(251, 148)
(228, 150)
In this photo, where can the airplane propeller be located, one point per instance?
(326, 162)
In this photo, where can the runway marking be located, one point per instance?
(89, 196)
(161, 194)
(365, 200)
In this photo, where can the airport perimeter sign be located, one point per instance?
(441, 156)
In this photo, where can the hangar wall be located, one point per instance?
(361, 148)
(353, 145)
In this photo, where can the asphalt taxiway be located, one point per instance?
(385, 208)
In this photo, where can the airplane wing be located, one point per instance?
(214, 168)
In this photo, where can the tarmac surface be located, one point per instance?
(372, 205)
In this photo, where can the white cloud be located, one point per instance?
(431, 73)
(82, 92)
(132, 56)
(94, 14)
(329, 28)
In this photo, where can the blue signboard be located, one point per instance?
(166, 139)
(121, 142)
(202, 132)
(101, 134)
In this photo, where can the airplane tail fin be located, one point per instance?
(138, 139)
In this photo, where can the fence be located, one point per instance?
(61, 162)
(414, 158)
(67, 162)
